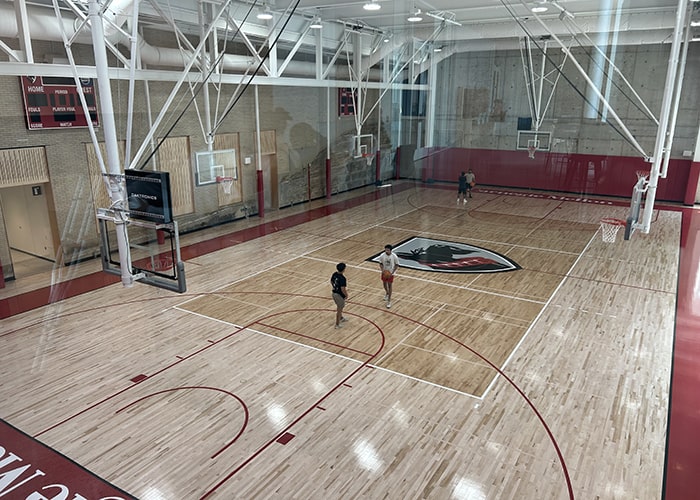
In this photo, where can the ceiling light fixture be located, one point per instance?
(415, 16)
(372, 5)
(316, 24)
(540, 7)
(265, 14)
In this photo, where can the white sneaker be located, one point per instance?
(388, 305)
(386, 297)
(343, 320)
(338, 326)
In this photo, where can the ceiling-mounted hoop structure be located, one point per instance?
(537, 79)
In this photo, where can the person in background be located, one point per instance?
(462, 189)
(340, 292)
(471, 181)
(388, 264)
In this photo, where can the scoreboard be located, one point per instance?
(53, 102)
(149, 195)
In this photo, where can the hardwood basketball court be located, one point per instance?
(550, 381)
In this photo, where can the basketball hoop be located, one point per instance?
(609, 228)
(226, 183)
(368, 158)
(163, 264)
(642, 174)
(159, 263)
(532, 145)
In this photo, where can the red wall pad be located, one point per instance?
(575, 173)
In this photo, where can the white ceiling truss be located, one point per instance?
(223, 42)
(468, 26)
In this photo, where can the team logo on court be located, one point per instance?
(427, 254)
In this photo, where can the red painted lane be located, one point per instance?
(47, 295)
(683, 447)
(31, 469)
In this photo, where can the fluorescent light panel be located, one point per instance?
(540, 7)
(415, 17)
(265, 14)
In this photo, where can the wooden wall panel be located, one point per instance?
(268, 142)
(174, 156)
(100, 196)
(22, 166)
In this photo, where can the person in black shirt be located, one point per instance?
(340, 293)
(462, 189)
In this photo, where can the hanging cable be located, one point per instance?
(573, 86)
(211, 70)
(566, 21)
(262, 61)
(192, 98)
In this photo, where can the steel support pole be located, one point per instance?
(593, 87)
(662, 131)
(677, 96)
(328, 142)
(258, 170)
(110, 134)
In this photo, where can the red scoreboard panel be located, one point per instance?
(53, 102)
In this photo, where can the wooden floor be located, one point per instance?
(549, 382)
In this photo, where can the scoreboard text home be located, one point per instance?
(54, 102)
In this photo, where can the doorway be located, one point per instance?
(30, 227)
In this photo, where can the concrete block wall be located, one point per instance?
(298, 116)
(501, 74)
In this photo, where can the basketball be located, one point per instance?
(472, 183)
(386, 274)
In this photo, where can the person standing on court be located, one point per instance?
(340, 293)
(388, 264)
(462, 189)
(471, 181)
